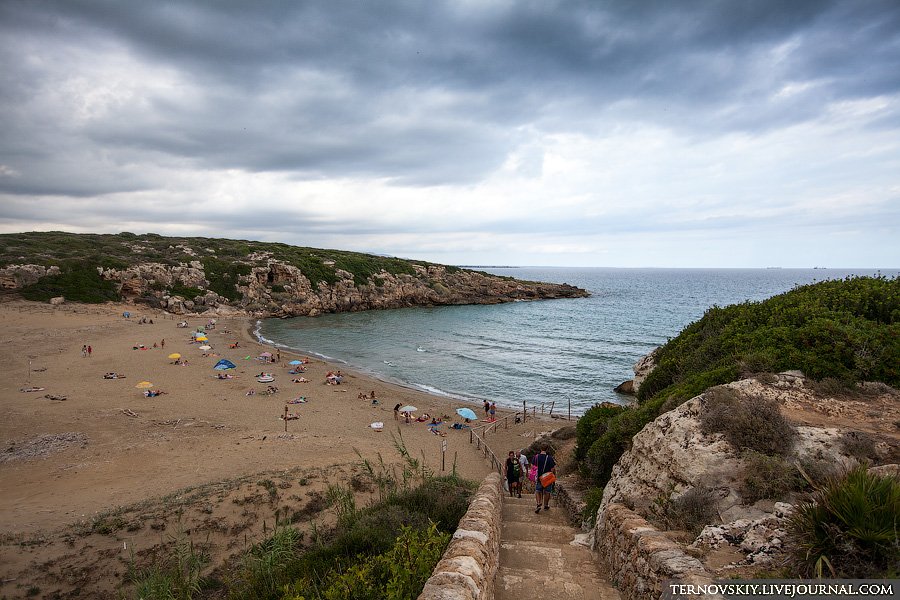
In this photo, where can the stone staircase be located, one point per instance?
(537, 559)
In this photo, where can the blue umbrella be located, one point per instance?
(224, 365)
(296, 362)
(466, 413)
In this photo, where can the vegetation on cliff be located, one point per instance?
(259, 276)
(846, 331)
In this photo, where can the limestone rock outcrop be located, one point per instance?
(672, 456)
(13, 277)
(642, 368)
(283, 290)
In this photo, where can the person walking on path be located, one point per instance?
(513, 475)
(89, 351)
(545, 464)
(523, 470)
(84, 351)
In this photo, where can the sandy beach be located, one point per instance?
(83, 446)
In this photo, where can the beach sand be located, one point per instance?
(68, 463)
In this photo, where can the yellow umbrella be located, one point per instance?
(144, 385)
(174, 356)
(201, 339)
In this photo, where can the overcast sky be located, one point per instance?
(630, 133)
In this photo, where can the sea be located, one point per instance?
(571, 352)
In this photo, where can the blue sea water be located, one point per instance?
(572, 351)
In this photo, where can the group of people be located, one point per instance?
(334, 378)
(490, 411)
(518, 469)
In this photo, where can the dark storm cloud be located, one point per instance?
(417, 93)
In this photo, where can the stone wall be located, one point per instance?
(638, 559)
(467, 569)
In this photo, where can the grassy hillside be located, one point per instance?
(845, 330)
(78, 255)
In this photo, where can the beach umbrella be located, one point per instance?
(296, 362)
(409, 408)
(224, 365)
(266, 354)
(206, 347)
(144, 385)
(201, 338)
(174, 356)
(466, 413)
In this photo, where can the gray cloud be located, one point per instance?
(134, 101)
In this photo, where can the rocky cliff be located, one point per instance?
(672, 459)
(200, 275)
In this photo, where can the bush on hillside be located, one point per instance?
(75, 282)
(769, 477)
(848, 529)
(691, 511)
(757, 425)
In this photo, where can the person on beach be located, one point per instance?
(545, 464)
(493, 411)
(487, 409)
(513, 475)
(397, 412)
(162, 344)
(84, 351)
(89, 351)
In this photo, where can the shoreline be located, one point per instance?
(252, 330)
(200, 430)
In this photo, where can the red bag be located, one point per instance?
(548, 479)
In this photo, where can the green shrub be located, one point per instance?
(756, 425)
(592, 499)
(859, 445)
(692, 510)
(848, 529)
(768, 477)
(592, 425)
(76, 282)
(396, 574)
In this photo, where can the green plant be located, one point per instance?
(692, 510)
(396, 574)
(848, 529)
(76, 282)
(262, 572)
(175, 576)
(858, 444)
(592, 499)
(768, 477)
(757, 425)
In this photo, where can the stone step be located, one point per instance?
(518, 514)
(516, 584)
(546, 533)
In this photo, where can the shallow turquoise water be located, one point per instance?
(568, 351)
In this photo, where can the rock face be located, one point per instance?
(283, 290)
(641, 369)
(672, 456)
(14, 277)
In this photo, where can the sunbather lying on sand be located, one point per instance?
(153, 393)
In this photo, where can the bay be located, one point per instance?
(572, 352)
